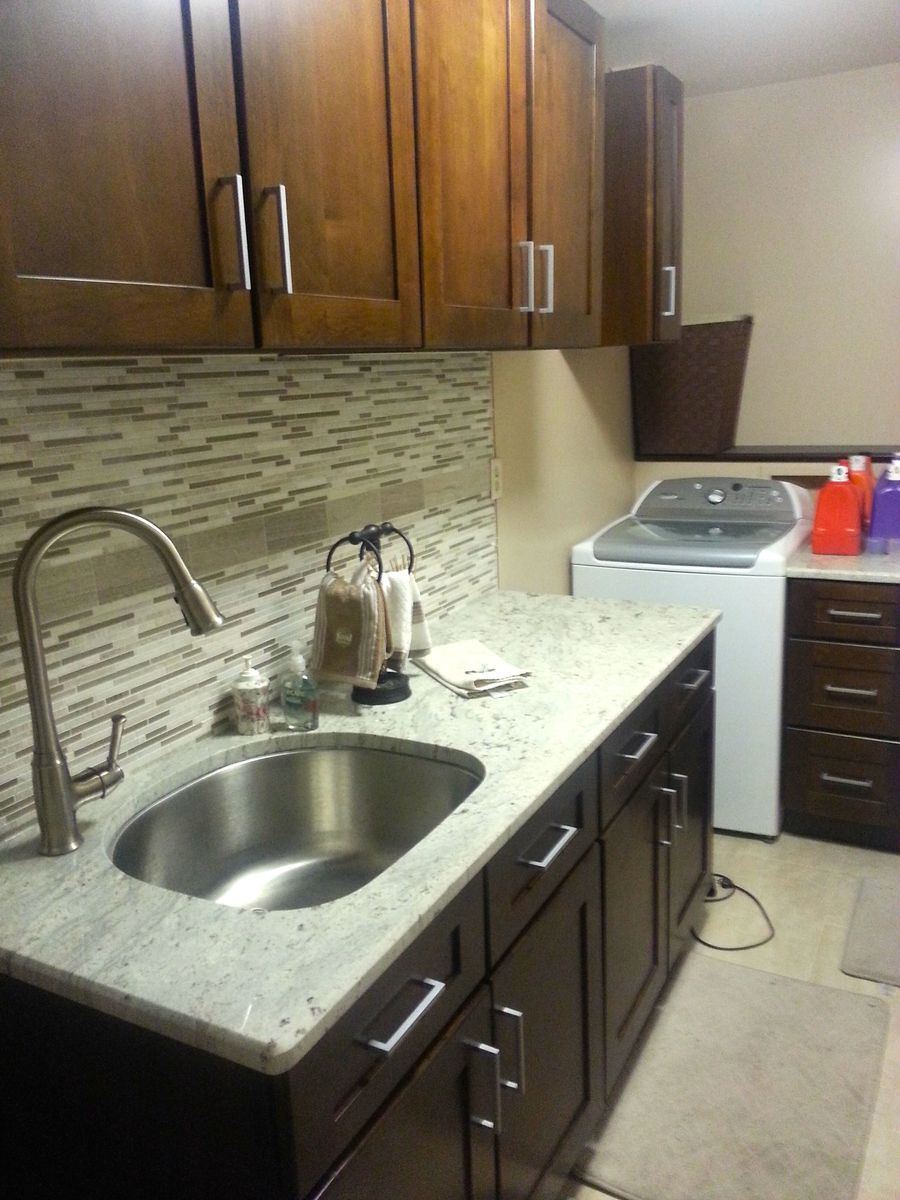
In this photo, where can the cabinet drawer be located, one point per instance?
(844, 612)
(526, 872)
(337, 1087)
(688, 687)
(842, 778)
(850, 689)
(631, 751)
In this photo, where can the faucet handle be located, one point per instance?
(115, 740)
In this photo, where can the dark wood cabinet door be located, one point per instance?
(567, 173)
(470, 58)
(327, 98)
(119, 176)
(547, 1014)
(642, 207)
(690, 776)
(668, 136)
(635, 913)
(432, 1139)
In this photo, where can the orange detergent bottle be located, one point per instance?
(837, 524)
(863, 477)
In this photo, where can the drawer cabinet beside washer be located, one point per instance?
(841, 754)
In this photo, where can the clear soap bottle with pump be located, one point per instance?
(299, 695)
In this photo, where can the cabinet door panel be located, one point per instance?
(471, 124)
(568, 170)
(635, 887)
(327, 89)
(690, 773)
(552, 977)
(426, 1143)
(117, 126)
(668, 136)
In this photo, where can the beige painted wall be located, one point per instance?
(562, 427)
(791, 215)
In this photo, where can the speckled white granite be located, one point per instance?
(857, 568)
(261, 988)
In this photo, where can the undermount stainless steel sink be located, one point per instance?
(294, 828)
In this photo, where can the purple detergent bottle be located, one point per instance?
(884, 528)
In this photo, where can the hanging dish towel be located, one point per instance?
(469, 668)
(398, 602)
(420, 634)
(349, 642)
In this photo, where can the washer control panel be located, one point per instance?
(732, 498)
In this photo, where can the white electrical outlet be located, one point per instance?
(496, 479)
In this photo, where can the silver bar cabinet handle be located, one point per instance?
(865, 693)
(527, 249)
(682, 782)
(240, 231)
(434, 989)
(673, 795)
(839, 779)
(494, 1054)
(650, 739)
(701, 674)
(279, 191)
(669, 310)
(515, 1014)
(842, 614)
(547, 251)
(568, 832)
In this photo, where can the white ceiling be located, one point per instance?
(723, 45)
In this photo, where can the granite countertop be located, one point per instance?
(260, 988)
(858, 568)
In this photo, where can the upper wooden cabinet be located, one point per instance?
(327, 105)
(119, 177)
(510, 195)
(643, 173)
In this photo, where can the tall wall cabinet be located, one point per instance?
(643, 167)
(206, 173)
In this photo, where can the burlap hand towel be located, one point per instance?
(349, 638)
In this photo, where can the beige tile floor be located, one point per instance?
(809, 888)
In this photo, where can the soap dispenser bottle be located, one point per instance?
(299, 695)
(250, 694)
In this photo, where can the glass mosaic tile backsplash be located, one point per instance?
(253, 465)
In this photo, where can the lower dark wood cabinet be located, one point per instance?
(690, 776)
(547, 1016)
(436, 1138)
(635, 912)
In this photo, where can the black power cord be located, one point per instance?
(730, 888)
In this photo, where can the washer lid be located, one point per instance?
(707, 543)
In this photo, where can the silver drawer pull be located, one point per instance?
(494, 1054)
(700, 677)
(839, 779)
(515, 1014)
(240, 231)
(435, 987)
(541, 864)
(682, 782)
(649, 740)
(841, 614)
(863, 693)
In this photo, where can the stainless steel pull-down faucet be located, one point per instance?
(57, 793)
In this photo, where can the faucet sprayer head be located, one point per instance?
(199, 612)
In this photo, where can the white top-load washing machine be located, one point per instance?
(717, 543)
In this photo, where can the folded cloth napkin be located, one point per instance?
(469, 668)
(420, 634)
(349, 640)
(398, 602)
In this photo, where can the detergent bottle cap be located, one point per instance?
(840, 472)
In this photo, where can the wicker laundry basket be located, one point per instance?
(685, 395)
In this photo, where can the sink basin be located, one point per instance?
(294, 828)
